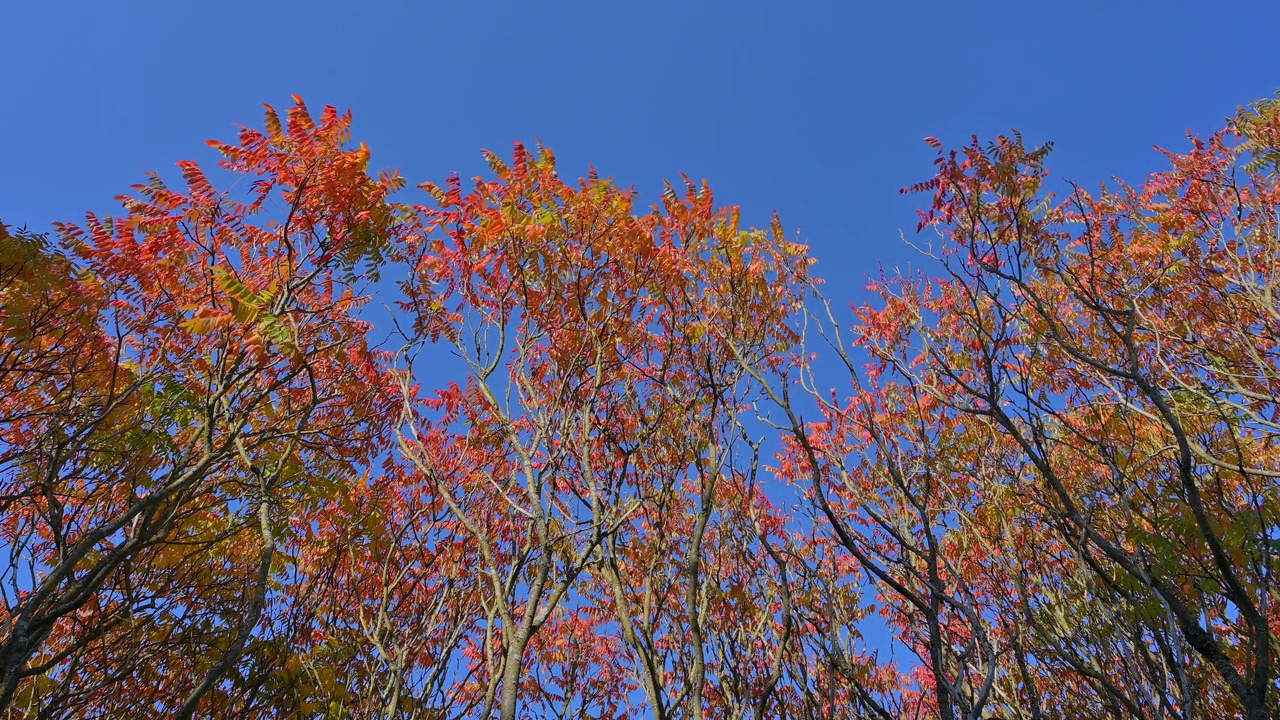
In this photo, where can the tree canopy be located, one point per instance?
(665, 472)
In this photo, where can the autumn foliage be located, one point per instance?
(584, 459)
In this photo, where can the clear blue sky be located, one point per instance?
(813, 109)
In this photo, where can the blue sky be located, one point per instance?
(813, 109)
(816, 110)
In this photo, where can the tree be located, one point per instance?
(1058, 467)
(187, 380)
(598, 426)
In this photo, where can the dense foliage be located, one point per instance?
(600, 461)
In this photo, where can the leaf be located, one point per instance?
(208, 320)
(232, 286)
